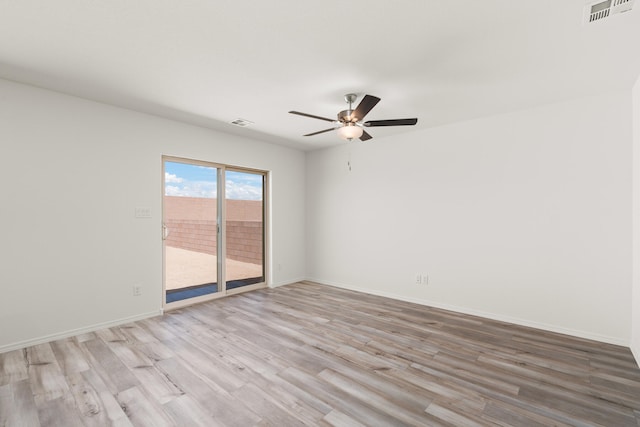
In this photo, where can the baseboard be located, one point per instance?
(635, 350)
(286, 282)
(486, 315)
(73, 332)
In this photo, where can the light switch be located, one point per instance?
(143, 212)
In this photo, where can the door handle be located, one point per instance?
(165, 231)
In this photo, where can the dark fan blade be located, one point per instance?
(365, 136)
(312, 116)
(367, 103)
(320, 131)
(396, 122)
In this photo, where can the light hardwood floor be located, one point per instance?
(306, 354)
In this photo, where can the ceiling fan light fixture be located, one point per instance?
(349, 123)
(349, 131)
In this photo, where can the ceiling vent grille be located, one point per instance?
(241, 122)
(597, 11)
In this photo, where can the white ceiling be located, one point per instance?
(208, 62)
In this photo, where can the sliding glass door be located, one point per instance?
(213, 230)
(190, 230)
(244, 203)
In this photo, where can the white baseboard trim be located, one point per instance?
(635, 350)
(486, 315)
(286, 282)
(79, 331)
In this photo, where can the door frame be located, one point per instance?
(221, 233)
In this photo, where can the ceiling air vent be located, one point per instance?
(241, 122)
(599, 10)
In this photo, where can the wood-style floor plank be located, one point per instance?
(45, 376)
(97, 406)
(17, 405)
(13, 367)
(307, 354)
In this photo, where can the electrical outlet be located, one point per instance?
(425, 279)
(137, 290)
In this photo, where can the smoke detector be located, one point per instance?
(599, 10)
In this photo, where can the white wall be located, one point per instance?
(524, 217)
(72, 173)
(635, 324)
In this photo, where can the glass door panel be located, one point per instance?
(244, 209)
(190, 230)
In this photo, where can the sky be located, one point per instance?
(182, 179)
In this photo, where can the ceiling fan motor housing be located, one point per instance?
(344, 116)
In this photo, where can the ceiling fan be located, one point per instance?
(349, 124)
